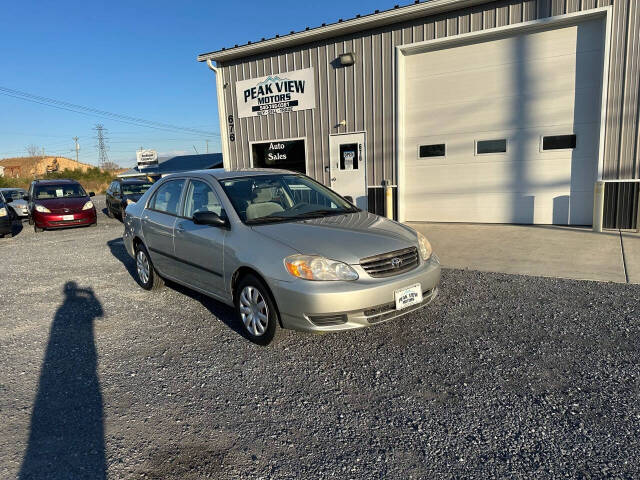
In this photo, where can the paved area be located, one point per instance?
(503, 376)
(545, 250)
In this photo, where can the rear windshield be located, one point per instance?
(135, 188)
(14, 194)
(65, 190)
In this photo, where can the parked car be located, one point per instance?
(281, 248)
(59, 204)
(18, 204)
(123, 192)
(6, 217)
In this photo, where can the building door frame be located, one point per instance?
(401, 51)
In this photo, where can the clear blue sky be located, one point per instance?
(134, 58)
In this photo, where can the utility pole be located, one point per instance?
(207, 145)
(75, 139)
(102, 144)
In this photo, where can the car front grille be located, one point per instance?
(388, 310)
(392, 263)
(68, 222)
(326, 320)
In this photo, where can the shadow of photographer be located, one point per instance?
(66, 437)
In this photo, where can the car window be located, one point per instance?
(135, 188)
(201, 198)
(167, 197)
(64, 190)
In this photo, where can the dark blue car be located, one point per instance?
(6, 218)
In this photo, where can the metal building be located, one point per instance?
(473, 111)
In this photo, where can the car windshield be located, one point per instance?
(64, 190)
(282, 197)
(13, 194)
(135, 188)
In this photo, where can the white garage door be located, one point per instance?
(506, 130)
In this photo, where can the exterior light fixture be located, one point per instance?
(347, 59)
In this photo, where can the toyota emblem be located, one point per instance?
(396, 262)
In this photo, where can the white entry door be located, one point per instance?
(348, 169)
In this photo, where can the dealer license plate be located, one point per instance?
(405, 297)
(67, 217)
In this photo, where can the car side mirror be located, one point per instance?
(25, 197)
(91, 194)
(349, 198)
(9, 200)
(209, 218)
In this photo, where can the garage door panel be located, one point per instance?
(478, 92)
(493, 176)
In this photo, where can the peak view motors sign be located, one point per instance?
(276, 93)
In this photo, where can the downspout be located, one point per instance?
(222, 115)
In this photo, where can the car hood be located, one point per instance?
(20, 203)
(346, 238)
(62, 205)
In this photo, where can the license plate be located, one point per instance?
(405, 297)
(67, 217)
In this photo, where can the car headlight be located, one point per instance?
(424, 246)
(311, 267)
(130, 202)
(42, 209)
(88, 205)
(3, 212)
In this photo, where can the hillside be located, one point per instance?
(37, 166)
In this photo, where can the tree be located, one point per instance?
(109, 165)
(33, 151)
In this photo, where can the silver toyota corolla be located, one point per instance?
(281, 248)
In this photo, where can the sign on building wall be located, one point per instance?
(146, 159)
(276, 93)
(287, 154)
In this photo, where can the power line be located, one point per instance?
(81, 109)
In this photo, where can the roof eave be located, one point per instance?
(375, 20)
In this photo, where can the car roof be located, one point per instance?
(11, 189)
(222, 173)
(132, 180)
(55, 182)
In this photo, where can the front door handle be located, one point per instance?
(179, 228)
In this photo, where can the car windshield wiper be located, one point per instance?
(268, 219)
(322, 213)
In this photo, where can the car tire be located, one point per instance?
(109, 212)
(37, 229)
(256, 310)
(31, 222)
(148, 278)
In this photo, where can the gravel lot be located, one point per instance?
(504, 376)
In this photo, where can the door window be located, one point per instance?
(167, 197)
(349, 156)
(201, 198)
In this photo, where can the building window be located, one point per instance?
(484, 147)
(435, 150)
(349, 156)
(558, 142)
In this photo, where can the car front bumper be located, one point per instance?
(55, 220)
(332, 306)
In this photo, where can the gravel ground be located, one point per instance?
(503, 376)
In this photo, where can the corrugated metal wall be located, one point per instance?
(363, 94)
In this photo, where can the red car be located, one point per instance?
(59, 204)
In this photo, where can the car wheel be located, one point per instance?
(148, 278)
(37, 229)
(256, 310)
(109, 212)
(31, 222)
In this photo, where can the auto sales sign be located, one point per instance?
(276, 93)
